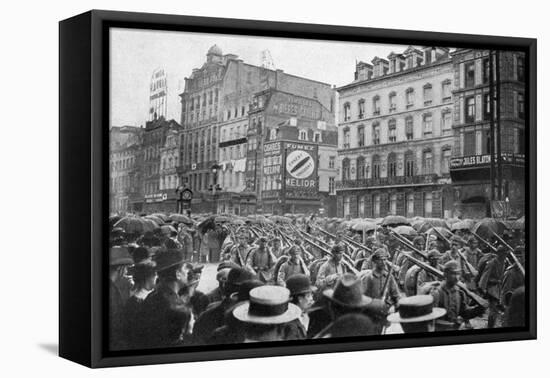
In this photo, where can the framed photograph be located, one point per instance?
(236, 188)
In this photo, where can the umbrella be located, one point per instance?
(487, 226)
(167, 229)
(165, 218)
(519, 224)
(281, 219)
(395, 220)
(425, 224)
(180, 218)
(405, 231)
(155, 219)
(465, 224)
(452, 221)
(364, 226)
(442, 230)
(135, 225)
(113, 219)
(149, 224)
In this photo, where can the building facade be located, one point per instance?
(396, 136)
(488, 161)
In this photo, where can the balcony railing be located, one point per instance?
(387, 181)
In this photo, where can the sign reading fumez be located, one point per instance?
(300, 164)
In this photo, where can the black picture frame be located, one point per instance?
(84, 189)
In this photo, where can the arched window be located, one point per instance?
(273, 134)
(409, 164)
(392, 165)
(428, 94)
(360, 167)
(376, 133)
(376, 105)
(346, 137)
(361, 136)
(347, 111)
(409, 97)
(345, 169)
(361, 108)
(409, 128)
(427, 161)
(375, 166)
(392, 99)
(392, 131)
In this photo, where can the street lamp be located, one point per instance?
(215, 167)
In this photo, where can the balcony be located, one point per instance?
(387, 181)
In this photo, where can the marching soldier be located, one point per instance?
(378, 283)
(261, 261)
(424, 276)
(332, 269)
(447, 295)
(276, 248)
(294, 265)
(237, 254)
(490, 284)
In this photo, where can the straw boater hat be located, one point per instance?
(267, 305)
(415, 309)
(348, 292)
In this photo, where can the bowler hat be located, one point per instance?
(169, 258)
(119, 256)
(299, 284)
(267, 305)
(348, 292)
(417, 308)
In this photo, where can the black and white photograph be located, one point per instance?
(269, 189)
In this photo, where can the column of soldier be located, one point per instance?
(289, 282)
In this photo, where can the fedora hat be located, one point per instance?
(299, 284)
(267, 305)
(120, 256)
(348, 292)
(169, 258)
(418, 308)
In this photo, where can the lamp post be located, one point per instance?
(215, 167)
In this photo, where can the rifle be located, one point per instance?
(408, 244)
(346, 258)
(390, 266)
(469, 267)
(436, 272)
(349, 266)
(346, 239)
(514, 257)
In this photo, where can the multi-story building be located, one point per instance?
(216, 100)
(396, 137)
(479, 179)
(153, 147)
(125, 164)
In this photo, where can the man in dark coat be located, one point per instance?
(119, 260)
(168, 318)
(213, 317)
(490, 284)
(301, 294)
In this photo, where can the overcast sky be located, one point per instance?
(135, 54)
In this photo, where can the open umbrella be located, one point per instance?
(155, 219)
(180, 218)
(113, 219)
(487, 226)
(165, 218)
(405, 231)
(281, 219)
(364, 226)
(442, 230)
(134, 225)
(395, 220)
(518, 224)
(167, 229)
(427, 223)
(465, 224)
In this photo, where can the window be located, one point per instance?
(521, 106)
(376, 133)
(392, 101)
(427, 204)
(347, 112)
(521, 68)
(470, 73)
(470, 109)
(361, 136)
(410, 204)
(487, 107)
(345, 169)
(361, 109)
(347, 201)
(520, 141)
(375, 167)
(331, 162)
(346, 138)
(392, 165)
(427, 94)
(409, 164)
(360, 168)
(392, 131)
(376, 105)
(361, 207)
(376, 202)
(427, 124)
(486, 70)
(317, 137)
(302, 135)
(393, 204)
(331, 185)
(445, 160)
(409, 131)
(409, 96)
(427, 162)
(469, 143)
(242, 111)
(446, 120)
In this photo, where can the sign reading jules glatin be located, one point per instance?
(301, 169)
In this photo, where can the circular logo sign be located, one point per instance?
(300, 164)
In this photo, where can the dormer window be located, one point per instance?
(302, 135)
